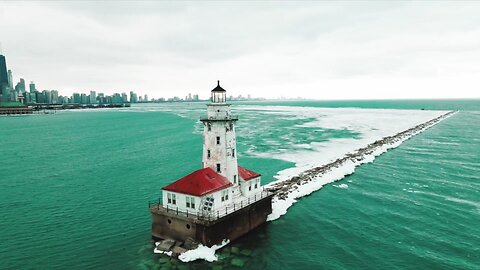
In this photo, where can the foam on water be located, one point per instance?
(281, 205)
(202, 253)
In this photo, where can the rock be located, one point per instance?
(235, 250)
(246, 252)
(237, 262)
(166, 245)
(178, 250)
(163, 260)
(190, 243)
(182, 267)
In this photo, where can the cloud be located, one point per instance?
(322, 50)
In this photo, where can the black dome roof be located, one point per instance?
(218, 88)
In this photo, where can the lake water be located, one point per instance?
(75, 186)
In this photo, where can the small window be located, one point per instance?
(224, 195)
(233, 152)
(235, 179)
(256, 185)
(208, 153)
(250, 187)
(209, 126)
(218, 139)
(190, 202)
(174, 199)
(169, 197)
(218, 167)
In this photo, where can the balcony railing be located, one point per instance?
(214, 214)
(230, 117)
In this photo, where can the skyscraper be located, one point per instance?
(133, 97)
(93, 97)
(3, 76)
(10, 79)
(32, 86)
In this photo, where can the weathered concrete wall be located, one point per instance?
(229, 227)
(234, 226)
(171, 226)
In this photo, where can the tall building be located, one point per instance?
(145, 98)
(83, 98)
(47, 96)
(93, 97)
(133, 97)
(32, 86)
(10, 79)
(55, 98)
(76, 98)
(20, 87)
(3, 78)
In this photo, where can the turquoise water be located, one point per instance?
(75, 186)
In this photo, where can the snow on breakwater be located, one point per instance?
(313, 179)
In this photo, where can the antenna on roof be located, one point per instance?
(218, 81)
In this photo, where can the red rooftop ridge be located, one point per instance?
(199, 183)
(246, 174)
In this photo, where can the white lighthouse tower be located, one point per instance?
(219, 144)
(219, 201)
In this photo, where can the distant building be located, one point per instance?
(55, 97)
(20, 86)
(145, 98)
(76, 98)
(124, 97)
(47, 96)
(93, 97)
(10, 79)
(3, 78)
(83, 98)
(32, 86)
(133, 97)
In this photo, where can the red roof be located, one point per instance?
(199, 183)
(246, 174)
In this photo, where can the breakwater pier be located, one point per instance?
(283, 188)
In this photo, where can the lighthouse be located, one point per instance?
(222, 200)
(219, 142)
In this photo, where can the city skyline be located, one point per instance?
(324, 50)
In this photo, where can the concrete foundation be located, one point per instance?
(179, 227)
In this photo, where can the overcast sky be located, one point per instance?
(320, 50)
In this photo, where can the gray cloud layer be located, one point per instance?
(323, 50)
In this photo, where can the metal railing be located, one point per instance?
(230, 117)
(214, 214)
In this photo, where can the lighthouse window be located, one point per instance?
(209, 126)
(218, 167)
(224, 195)
(250, 187)
(218, 139)
(235, 179)
(233, 152)
(208, 153)
(190, 202)
(256, 185)
(171, 198)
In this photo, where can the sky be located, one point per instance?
(310, 49)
